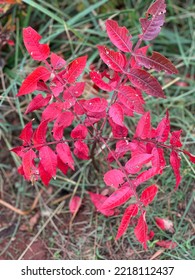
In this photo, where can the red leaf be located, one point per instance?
(117, 114)
(163, 129)
(74, 204)
(26, 134)
(164, 224)
(64, 120)
(168, 244)
(161, 160)
(74, 91)
(79, 132)
(30, 83)
(151, 27)
(35, 49)
(145, 176)
(175, 138)
(96, 105)
(37, 102)
(135, 164)
(98, 200)
(57, 62)
(141, 230)
(39, 136)
(118, 198)
(148, 195)
(48, 160)
(19, 150)
(64, 153)
(143, 51)
(52, 111)
(81, 150)
(144, 81)
(114, 178)
(21, 170)
(130, 211)
(98, 81)
(175, 164)
(114, 60)
(79, 107)
(143, 129)
(157, 61)
(75, 69)
(28, 165)
(131, 98)
(191, 157)
(56, 86)
(119, 36)
(118, 130)
(44, 175)
(62, 166)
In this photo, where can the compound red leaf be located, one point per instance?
(148, 195)
(64, 153)
(135, 164)
(117, 114)
(96, 105)
(57, 62)
(114, 178)
(26, 134)
(44, 175)
(151, 27)
(79, 132)
(98, 81)
(114, 60)
(30, 83)
(28, 165)
(98, 200)
(164, 224)
(118, 198)
(75, 69)
(168, 244)
(64, 120)
(141, 230)
(37, 102)
(119, 36)
(75, 204)
(157, 61)
(81, 150)
(143, 129)
(163, 129)
(130, 212)
(175, 164)
(144, 81)
(39, 136)
(31, 41)
(48, 160)
(131, 98)
(175, 138)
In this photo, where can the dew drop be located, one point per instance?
(107, 52)
(31, 53)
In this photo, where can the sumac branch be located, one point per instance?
(133, 161)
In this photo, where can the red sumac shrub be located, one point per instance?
(51, 148)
